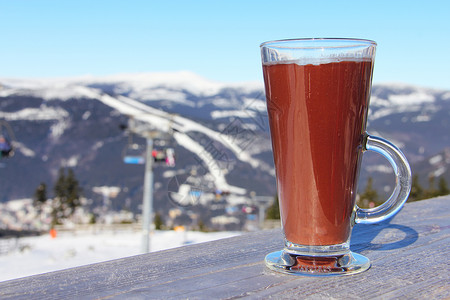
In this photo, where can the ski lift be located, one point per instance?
(170, 157)
(158, 156)
(134, 153)
(164, 156)
(164, 150)
(6, 140)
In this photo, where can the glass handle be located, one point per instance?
(402, 188)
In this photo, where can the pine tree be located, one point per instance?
(40, 196)
(417, 192)
(442, 187)
(67, 196)
(60, 185)
(273, 211)
(369, 194)
(158, 221)
(58, 206)
(201, 226)
(73, 192)
(431, 191)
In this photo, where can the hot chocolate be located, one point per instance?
(317, 115)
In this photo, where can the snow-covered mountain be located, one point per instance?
(219, 132)
(75, 123)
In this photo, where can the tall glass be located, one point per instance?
(317, 93)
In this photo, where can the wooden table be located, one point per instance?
(409, 254)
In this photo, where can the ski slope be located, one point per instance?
(180, 127)
(36, 255)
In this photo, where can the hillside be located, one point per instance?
(219, 132)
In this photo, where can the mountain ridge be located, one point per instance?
(222, 127)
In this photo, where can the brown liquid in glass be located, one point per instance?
(317, 117)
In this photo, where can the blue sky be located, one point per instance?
(215, 39)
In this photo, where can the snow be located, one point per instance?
(436, 159)
(36, 255)
(97, 145)
(57, 129)
(110, 191)
(224, 220)
(422, 118)
(380, 102)
(158, 94)
(176, 87)
(16, 205)
(255, 103)
(218, 114)
(220, 103)
(172, 173)
(183, 80)
(162, 121)
(441, 170)
(405, 99)
(86, 115)
(380, 168)
(417, 97)
(142, 86)
(42, 113)
(48, 89)
(24, 149)
(71, 161)
(210, 163)
(383, 112)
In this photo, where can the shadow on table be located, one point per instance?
(391, 236)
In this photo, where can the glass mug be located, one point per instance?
(317, 93)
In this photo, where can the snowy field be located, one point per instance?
(36, 255)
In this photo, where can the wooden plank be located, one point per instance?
(409, 255)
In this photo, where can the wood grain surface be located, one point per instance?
(409, 255)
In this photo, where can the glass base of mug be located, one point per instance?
(295, 264)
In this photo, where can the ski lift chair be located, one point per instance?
(164, 151)
(134, 153)
(6, 138)
(158, 156)
(6, 149)
(170, 157)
